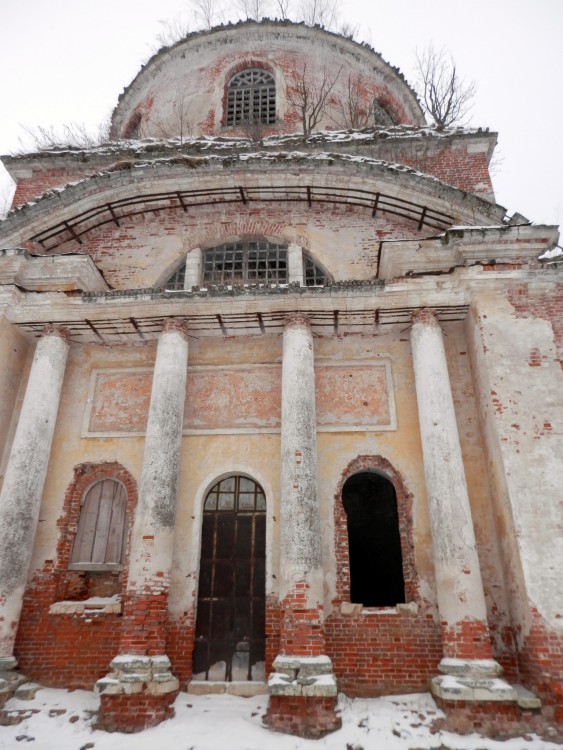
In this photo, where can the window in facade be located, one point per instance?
(230, 627)
(376, 564)
(251, 98)
(313, 275)
(381, 116)
(245, 262)
(102, 527)
(176, 281)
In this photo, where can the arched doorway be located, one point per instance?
(230, 625)
(374, 540)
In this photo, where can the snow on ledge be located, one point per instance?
(557, 252)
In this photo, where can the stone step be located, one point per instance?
(525, 698)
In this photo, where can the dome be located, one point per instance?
(270, 78)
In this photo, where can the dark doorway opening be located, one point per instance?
(374, 541)
(230, 624)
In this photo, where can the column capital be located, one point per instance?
(425, 315)
(178, 325)
(52, 329)
(296, 319)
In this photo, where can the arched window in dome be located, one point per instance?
(381, 116)
(251, 98)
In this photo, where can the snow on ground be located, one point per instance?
(63, 720)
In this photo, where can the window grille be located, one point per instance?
(102, 527)
(251, 98)
(313, 274)
(176, 281)
(249, 262)
(230, 637)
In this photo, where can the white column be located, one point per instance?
(300, 515)
(302, 642)
(152, 536)
(458, 576)
(192, 276)
(24, 480)
(459, 588)
(295, 264)
(142, 664)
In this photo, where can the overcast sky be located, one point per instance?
(67, 61)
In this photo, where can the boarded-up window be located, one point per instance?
(102, 528)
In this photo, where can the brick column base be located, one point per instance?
(492, 719)
(310, 718)
(133, 713)
(138, 693)
(302, 696)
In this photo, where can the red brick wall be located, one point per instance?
(72, 650)
(133, 713)
(548, 306)
(305, 717)
(381, 651)
(46, 179)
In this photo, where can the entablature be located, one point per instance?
(137, 316)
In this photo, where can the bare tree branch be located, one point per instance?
(445, 97)
(208, 13)
(354, 109)
(253, 9)
(311, 99)
(319, 13)
(348, 29)
(73, 135)
(180, 125)
(171, 31)
(283, 8)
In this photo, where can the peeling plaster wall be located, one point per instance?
(519, 382)
(14, 351)
(205, 458)
(401, 447)
(473, 449)
(183, 88)
(145, 250)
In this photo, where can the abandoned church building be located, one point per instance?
(280, 400)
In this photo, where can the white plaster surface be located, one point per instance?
(300, 518)
(153, 531)
(522, 415)
(25, 477)
(458, 577)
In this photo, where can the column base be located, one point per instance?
(475, 698)
(10, 680)
(472, 680)
(137, 694)
(303, 696)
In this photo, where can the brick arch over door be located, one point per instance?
(383, 467)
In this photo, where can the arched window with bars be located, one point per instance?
(251, 98)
